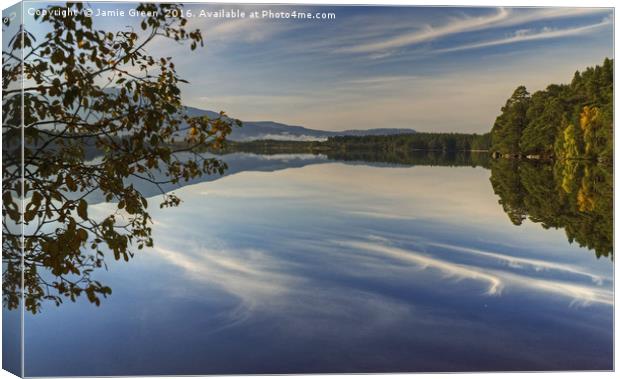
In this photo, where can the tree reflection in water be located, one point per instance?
(576, 196)
(90, 93)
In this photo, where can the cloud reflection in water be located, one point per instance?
(342, 268)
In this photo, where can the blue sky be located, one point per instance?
(427, 68)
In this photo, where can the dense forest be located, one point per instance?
(412, 142)
(388, 144)
(564, 121)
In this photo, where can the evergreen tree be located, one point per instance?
(510, 124)
(544, 124)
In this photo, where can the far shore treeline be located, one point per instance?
(386, 144)
(562, 122)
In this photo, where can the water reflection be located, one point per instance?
(336, 267)
(574, 196)
(414, 157)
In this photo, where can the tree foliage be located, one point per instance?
(410, 142)
(509, 126)
(573, 121)
(87, 89)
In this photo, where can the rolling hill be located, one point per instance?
(260, 130)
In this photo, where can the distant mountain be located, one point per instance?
(255, 130)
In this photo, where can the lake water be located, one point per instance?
(304, 264)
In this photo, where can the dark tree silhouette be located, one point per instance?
(99, 112)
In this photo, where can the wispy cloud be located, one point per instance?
(495, 280)
(382, 79)
(518, 262)
(530, 35)
(494, 283)
(242, 30)
(428, 33)
(580, 294)
(527, 15)
(501, 18)
(249, 275)
(387, 67)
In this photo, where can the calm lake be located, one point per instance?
(303, 263)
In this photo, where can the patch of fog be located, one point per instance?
(285, 137)
(291, 157)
